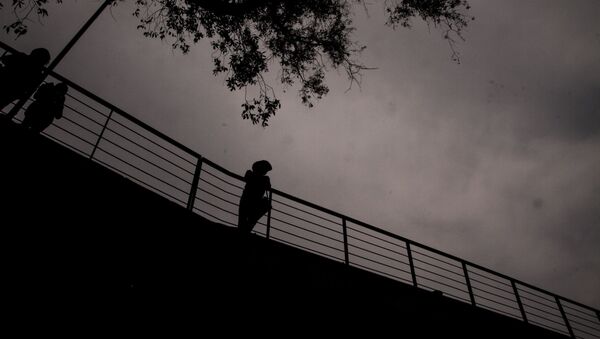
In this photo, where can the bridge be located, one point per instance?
(108, 211)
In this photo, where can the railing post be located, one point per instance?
(194, 188)
(466, 273)
(564, 315)
(101, 134)
(523, 314)
(598, 315)
(412, 265)
(269, 214)
(345, 232)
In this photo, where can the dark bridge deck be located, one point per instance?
(84, 248)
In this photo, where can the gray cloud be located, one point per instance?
(495, 160)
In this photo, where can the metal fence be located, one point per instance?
(107, 135)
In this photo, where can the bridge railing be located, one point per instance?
(107, 135)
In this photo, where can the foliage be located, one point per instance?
(304, 38)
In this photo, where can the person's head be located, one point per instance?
(61, 88)
(40, 56)
(261, 167)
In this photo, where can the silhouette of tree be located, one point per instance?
(305, 38)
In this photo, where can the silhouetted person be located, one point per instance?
(20, 74)
(48, 105)
(254, 204)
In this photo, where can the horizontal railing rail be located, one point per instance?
(97, 129)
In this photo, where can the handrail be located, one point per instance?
(111, 106)
(408, 244)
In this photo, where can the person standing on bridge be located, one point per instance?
(253, 203)
(48, 105)
(20, 74)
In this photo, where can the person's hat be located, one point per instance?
(41, 56)
(262, 166)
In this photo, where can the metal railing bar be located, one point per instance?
(382, 247)
(488, 278)
(76, 123)
(378, 263)
(495, 302)
(378, 254)
(309, 213)
(434, 258)
(219, 188)
(152, 141)
(307, 230)
(214, 217)
(441, 268)
(366, 268)
(548, 326)
(223, 180)
(537, 295)
(492, 286)
(380, 239)
(308, 221)
(303, 238)
(585, 332)
(541, 310)
(150, 163)
(71, 133)
(88, 106)
(454, 296)
(217, 207)
(223, 170)
(146, 149)
(143, 171)
(496, 295)
(499, 311)
(584, 319)
(123, 113)
(216, 196)
(135, 179)
(82, 115)
(259, 233)
(554, 307)
(60, 142)
(441, 283)
(584, 325)
(581, 312)
(306, 248)
(445, 293)
(439, 275)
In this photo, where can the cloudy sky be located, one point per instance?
(495, 159)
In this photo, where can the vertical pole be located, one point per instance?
(101, 134)
(412, 265)
(523, 314)
(269, 214)
(15, 110)
(194, 188)
(598, 315)
(345, 232)
(564, 315)
(469, 287)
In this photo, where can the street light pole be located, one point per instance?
(63, 53)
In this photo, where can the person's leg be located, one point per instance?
(243, 216)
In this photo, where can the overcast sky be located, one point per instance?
(495, 160)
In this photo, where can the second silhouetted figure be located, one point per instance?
(20, 74)
(48, 105)
(254, 204)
